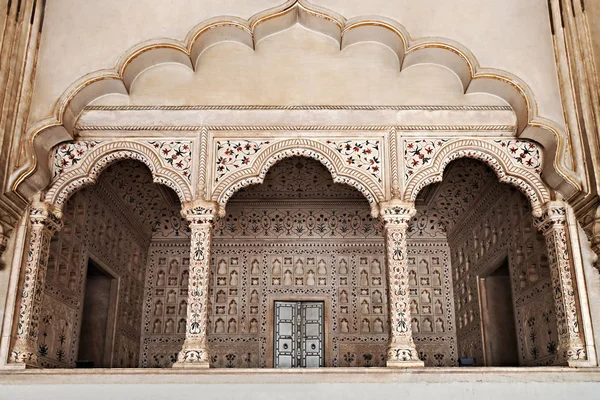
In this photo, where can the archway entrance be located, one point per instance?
(502, 290)
(298, 238)
(93, 303)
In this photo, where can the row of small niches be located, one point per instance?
(434, 280)
(172, 280)
(172, 270)
(424, 293)
(229, 325)
(171, 293)
(378, 295)
(427, 325)
(169, 326)
(289, 280)
(366, 325)
(174, 309)
(417, 309)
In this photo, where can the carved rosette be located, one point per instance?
(401, 349)
(200, 215)
(44, 222)
(553, 225)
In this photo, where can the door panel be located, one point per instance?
(285, 334)
(299, 335)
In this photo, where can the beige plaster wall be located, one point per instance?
(80, 37)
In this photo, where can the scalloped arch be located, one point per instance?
(256, 172)
(529, 183)
(28, 178)
(106, 154)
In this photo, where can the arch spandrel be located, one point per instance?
(474, 79)
(250, 161)
(78, 164)
(515, 161)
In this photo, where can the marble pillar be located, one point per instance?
(401, 348)
(194, 354)
(44, 222)
(552, 223)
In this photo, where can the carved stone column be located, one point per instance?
(401, 349)
(44, 222)
(194, 354)
(552, 224)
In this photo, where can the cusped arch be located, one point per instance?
(527, 181)
(105, 154)
(60, 126)
(257, 170)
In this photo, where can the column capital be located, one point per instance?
(397, 211)
(199, 211)
(553, 214)
(46, 215)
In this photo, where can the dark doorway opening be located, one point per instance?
(97, 322)
(498, 318)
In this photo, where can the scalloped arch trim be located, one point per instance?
(474, 78)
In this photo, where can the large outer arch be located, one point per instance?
(257, 170)
(474, 78)
(105, 154)
(528, 182)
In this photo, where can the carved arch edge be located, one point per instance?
(106, 154)
(255, 173)
(529, 183)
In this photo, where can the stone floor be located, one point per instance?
(338, 383)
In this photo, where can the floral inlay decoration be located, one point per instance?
(232, 155)
(70, 154)
(360, 154)
(177, 154)
(524, 153)
(419, 153)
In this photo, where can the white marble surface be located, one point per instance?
(338, 383)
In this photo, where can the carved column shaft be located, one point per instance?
(43, 225)
(194, 353)
(553, 225)
(401, 349)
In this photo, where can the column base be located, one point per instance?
(404, 364)
(193, 355)
(23, 355)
